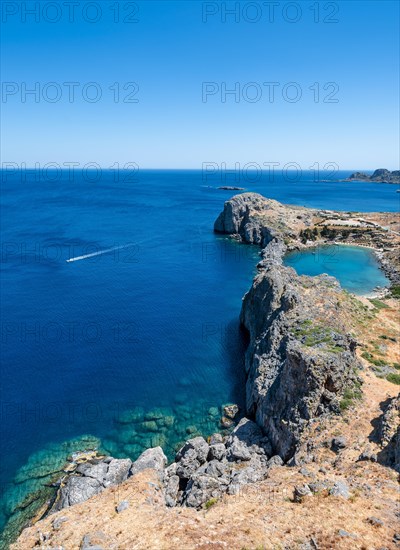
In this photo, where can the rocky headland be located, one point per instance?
(381, 175)
(313, 464)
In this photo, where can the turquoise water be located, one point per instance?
(356, 268)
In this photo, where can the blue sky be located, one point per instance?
(170, 52)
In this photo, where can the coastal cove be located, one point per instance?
(356, 268)
(150, 352)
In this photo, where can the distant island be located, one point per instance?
(231, 188)
(381, 175)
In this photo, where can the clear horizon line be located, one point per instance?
(191, 168)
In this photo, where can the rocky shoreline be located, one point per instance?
(301, 366)
(253, 219)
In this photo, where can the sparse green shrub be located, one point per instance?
(385, 337)
(311, 335)
(366, 355)
(393, 378)
(308, 235)
(350, 396)
(210, 503)
(378, 303)
(377, 362)
(395, 291)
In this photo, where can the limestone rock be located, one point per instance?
(245, 440)
(200, 447)
(118, 471)
(275, 461)
(292, 381)
(230, 411)
(217, 451)
(340, 489)
(151, 458)
(201, 488)
(389, 433)
(78, 489)
(188, 464)
(122, 506)
(171, 490)
(301, 492)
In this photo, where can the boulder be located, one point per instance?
(368, 454)
(122, 506)
(230, 411)
(153, 458)
(216, 438)
(340, 489)
(188, 464)
(171, 490)
(118, 471)
(254, 471)
(226, 422)
(245, 441)
(301, 492)
(201, 488)
(217, 451)
(215, 468)
(200, 447)
(96, 471)
(275, 461)
(77, 490)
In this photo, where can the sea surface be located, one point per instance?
(136, 342)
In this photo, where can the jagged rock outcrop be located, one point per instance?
(380, 175)
(202, 470)
(298, 365)
(206, 470)
(389, 433)
(90, 478)
(300, 359)
(239, 217)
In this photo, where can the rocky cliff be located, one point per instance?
(301, 359)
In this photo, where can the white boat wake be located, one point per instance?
(98, 253)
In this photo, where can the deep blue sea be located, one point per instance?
(93, 346)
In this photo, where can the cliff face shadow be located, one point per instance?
(376, 423)
(389, 449)
(235, 344)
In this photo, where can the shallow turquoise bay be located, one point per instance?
(356, 268)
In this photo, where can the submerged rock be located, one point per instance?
(226, 422)
(231, 411)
